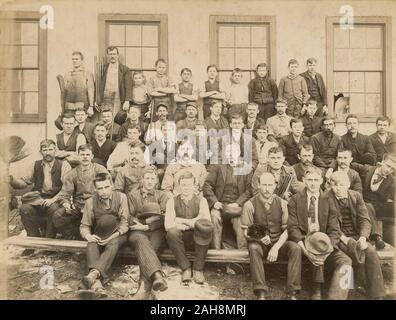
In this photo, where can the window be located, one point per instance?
(359, 66)
(242, 42)
(140, 39)
(23, 75)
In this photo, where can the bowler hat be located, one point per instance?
(203, 231)
(231, 211)
(256, 231)
(106, 226)
(33, 198)
(120, 117)
(318, 243)
(148, 210)
(355, 251)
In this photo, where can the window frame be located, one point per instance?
(161, 19)
(41, 115)
(214, 20)
(386, 23)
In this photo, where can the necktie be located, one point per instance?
(344, 202)
(311, 210)
(378, 179)
(262, 145)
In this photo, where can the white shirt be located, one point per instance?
(313, 226)
(383, 137)
(112, 79)
(238, 93)
(376, 175)
(262, 151)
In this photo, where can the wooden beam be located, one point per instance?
(229, 255)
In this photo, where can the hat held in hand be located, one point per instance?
(319, 244)
(106, 226)
(33, 198)
(230, 211)
(148, 210)
(256, 231)
(203, 232)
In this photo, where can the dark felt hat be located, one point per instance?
(148, 210)
(34, 198)
(231, 211)
(106, 226)
(120, 117)
(319, 244)
(203, 232)
(256, 231)
(192, 104)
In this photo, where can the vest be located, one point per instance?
(184, 90)
(346, 226)
(215, 86)
(231, 192)
(71, 143)
(189, 211)
(99, 210)
(270, 219)
(38, 177)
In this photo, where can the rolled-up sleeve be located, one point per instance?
(87, 219)
(123, 214)
(170, 215)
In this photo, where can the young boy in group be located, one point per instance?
(161, 86)
(294, 89)
(84, 127)
(310, 120)
(237, 95)
(211, 90)
(262, 143)
(138, 95)
(186, 93)
(133, 120)
(263, 91)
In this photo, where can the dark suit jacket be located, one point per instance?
(380, 148)
(297, 226)
(321, 85)
(300, 171)
(359, 214)
(87, 131)
(213, 188)
(124, 82)
(210, 124)
(362, 149)
(257, 123)
(311, 126)
(291, 148)
(325, 151)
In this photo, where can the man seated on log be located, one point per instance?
(355, 230)
(79, 186)
(313, 225)
(147, 207)
(268, 211)
(188, 225)
(104, 225)
(379, 194)
(47, 176)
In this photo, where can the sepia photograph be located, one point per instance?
(206, 150)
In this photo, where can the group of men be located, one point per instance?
(288, 187)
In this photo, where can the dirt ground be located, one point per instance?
(30, 277)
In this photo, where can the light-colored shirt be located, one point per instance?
(262, 150)
(158, 81)
(112, 80)
(313, 226)
(238, 93)
(140, 94)
(170, 214)
(120, 155)
(279, 125)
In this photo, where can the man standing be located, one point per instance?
(292, 142)
(383, 140)
(360, 144)
(355, 230)
(187, 223)
(326, 144)
(79, 185)
(148, 238)
(47, 176)
(310, 211)
(104, 225)
(113, 86)
(316, 86)
(270, 211)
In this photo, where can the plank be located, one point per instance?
(230, 255)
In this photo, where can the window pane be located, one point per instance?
(245, 78)
(116, 35)
(259, 36)
(242, 58)
(149, 74)
(258, 56)
(373, 104)
(30, 80)
(357, 103)
(374, 37)
(226, 58)
(13, 54)
(29, 33)
(133, 35)
(13, 99)
(341, 82)
(133, 58)
(29, 56)
(357, 37)
(242, 36)
(149, 55)
(342, 59)
(31, 102)
(374, 59)
(224, 79)
(341, 38)
(226, 36)
(356, 82)
(10, 33)
(373, 82)
(122, 53)
(150, 36)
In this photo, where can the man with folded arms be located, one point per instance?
(270, 211)
(147, 206)
(310, 211)
(106, 215)
(355, 227)
(187, 224)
